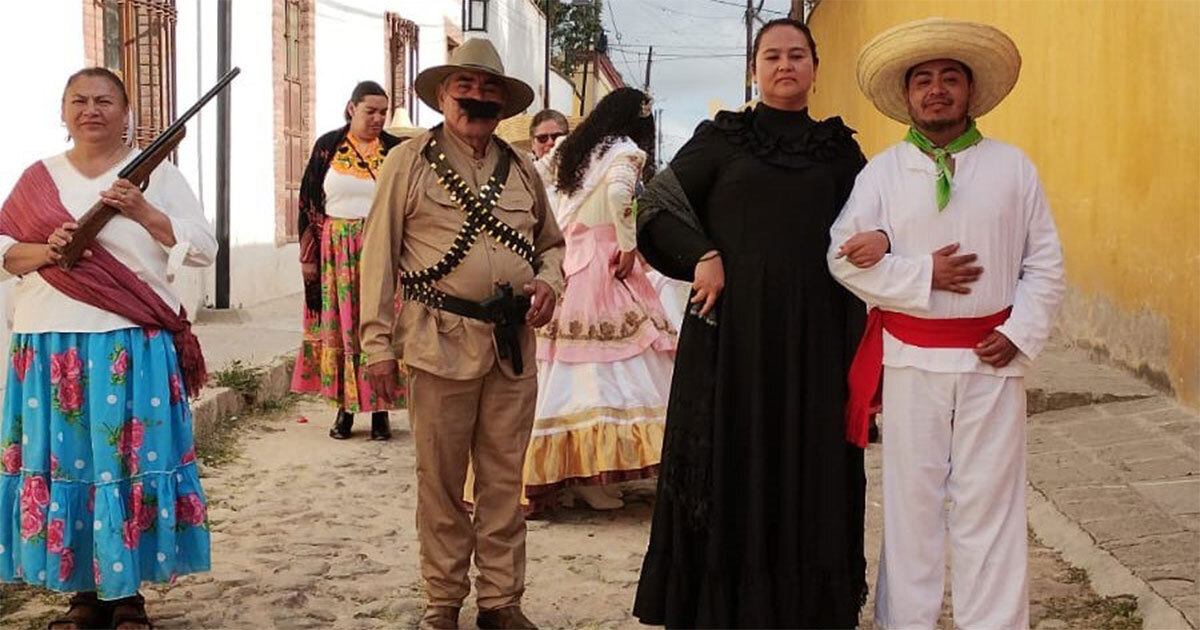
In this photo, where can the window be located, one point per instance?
(293, 105)
(402, 46)
(475, 15)
(137, 41)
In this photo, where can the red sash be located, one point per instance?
(34, 210)
(866, 372)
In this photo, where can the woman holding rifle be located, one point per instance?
(98, 484)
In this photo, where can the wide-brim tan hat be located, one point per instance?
(475, 55)
(991, 55)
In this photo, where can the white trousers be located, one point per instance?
(959, 437)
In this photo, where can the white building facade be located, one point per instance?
(299, 61)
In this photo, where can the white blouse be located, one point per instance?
(605, 196)
(347, 196)
(42, 308)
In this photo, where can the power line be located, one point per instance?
(634, 46)
(743, 8)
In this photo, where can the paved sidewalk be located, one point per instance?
(1125, 472)
(255, 336)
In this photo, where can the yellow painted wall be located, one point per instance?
(1108, 108)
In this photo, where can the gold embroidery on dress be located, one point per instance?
(347, 162)
(604, 331)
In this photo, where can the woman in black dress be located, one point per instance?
(759, 520)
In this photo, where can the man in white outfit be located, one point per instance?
(949, 239)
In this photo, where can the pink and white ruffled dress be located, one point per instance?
(605, 360)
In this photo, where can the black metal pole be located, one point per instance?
(749, 34)
(583, 96)
(649, 59)
(549, 26)
(224, 28)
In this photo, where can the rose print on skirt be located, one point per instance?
(97, 465)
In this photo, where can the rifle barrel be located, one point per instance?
(179, 123)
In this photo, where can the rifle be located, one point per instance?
(138, 173)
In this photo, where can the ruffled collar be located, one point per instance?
(790, 139)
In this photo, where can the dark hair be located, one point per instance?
(102, 73)
(796, 24)
(549, 114)
(617, 114)
(362, 91)
(966, 70)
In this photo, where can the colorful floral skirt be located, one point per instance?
(330, 362)
(98, 490)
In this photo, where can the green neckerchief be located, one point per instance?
(941, 154)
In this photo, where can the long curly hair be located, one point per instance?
(619, 114)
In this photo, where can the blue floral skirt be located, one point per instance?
(98, 483)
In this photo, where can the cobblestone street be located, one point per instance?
(313, 533)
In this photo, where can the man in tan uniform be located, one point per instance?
(465, 219)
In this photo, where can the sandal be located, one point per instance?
(86, 612)
(130, 611)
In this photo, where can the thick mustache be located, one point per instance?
(479, 109)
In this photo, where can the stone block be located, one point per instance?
(1042, 439)
(1131, 526)
(1174, 497)
(1107, 431)
(1189, 605)
(1156, 551)
(1064, 470)
(1140, 406)
(1176, 467)
(1189, 521)
(1067, 416)
(1137, 450)
(1174, 587)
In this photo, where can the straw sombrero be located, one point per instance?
(401, 125)
(475, 55)
(515, 130)
(989, 53)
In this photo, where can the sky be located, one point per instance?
(699, 55)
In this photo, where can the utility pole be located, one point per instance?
(751, 14)
(797, 12)
(659, 132)
(749, 51)
(649, 58)
(549, 28)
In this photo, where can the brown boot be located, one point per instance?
(439, 618)
(507, 618)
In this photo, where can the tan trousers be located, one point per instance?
(486, 421)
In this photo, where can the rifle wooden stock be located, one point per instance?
(138, 173)
(101, 213)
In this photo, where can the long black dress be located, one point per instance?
(759, 519)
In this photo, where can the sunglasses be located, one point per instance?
(548, 137)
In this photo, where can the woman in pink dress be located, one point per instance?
(605, 360)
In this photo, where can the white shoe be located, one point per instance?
(613, 490)
(597, 498)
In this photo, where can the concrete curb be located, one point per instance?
(1107, 576)
(218, 403)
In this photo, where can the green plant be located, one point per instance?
(241, 378)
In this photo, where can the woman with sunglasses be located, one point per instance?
(545, 129)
